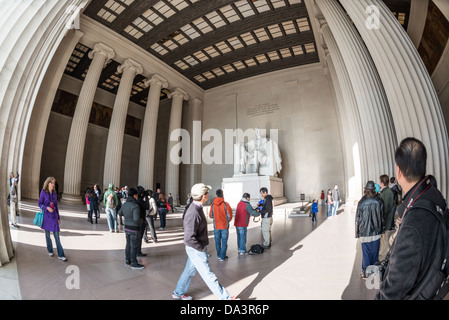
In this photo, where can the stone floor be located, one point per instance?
(306, 261)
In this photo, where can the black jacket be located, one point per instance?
(369, 220)
(267, 209)
(414, 250)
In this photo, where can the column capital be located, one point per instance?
(178, 92)
(129, 63)
(156, 79)
(102, 48)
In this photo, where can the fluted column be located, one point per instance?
(114, 145)
(413, 100)
(75, 147)
(148, 143)
(375, 115)
(172, 168)
(350, 117)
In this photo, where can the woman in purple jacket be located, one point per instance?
(48, 200)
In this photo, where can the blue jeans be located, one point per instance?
(335, 208)
(163, 217)
(112, 218)
(50, 244)
(241, 238)
(198, 261)
(329, 210)
(132, 245)
(221, 242)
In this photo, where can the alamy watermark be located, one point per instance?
(73, 280)
(373, 19)
(74, 12)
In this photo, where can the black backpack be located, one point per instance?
(435, 285)
(256, 249)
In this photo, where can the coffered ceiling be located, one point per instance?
(211, 42)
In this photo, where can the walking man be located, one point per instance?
(196, 241)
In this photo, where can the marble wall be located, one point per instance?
(298, 103)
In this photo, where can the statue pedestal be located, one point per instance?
(235, 187)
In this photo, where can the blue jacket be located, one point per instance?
(314, 207)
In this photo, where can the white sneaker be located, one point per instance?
(183, 297)
(62, 258)
(50, 254)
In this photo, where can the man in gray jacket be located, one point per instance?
(131, 211)
(335, 200)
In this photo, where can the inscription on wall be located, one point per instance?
(261, 109)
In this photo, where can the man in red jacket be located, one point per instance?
(242, 215)
(221, 213)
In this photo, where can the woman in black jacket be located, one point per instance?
(369, 225)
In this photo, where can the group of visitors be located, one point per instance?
(196, 237)
(408, 248)
(412, 254)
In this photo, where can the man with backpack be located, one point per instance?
(416, 256)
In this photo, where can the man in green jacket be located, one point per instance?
(110, 201)
(387, 196)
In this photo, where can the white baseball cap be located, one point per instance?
(198, 190)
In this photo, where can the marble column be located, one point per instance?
(412, 96)
(350, 116)
(114, 145)
(77, 137)
(172, 168)
(372, 103)
(148, 143)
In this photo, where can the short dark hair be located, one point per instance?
(384, 179)
(219, 193)
(132, 192)
(246, 195)
(392, 180)
(411, 158)
(264, 190)
(369, 193)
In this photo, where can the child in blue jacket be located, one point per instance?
(314, 210)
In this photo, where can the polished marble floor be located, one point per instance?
(306, 261)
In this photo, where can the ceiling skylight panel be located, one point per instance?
(292, 2)
(126, 2)
(180, 64)
(190, 31)
(262, 6)
(159, 49)
(289, 27)
(303, 24)
(244, 8)
(164, 9)
(218, 72)
(115, 6)
(202, 25)
(273, 55)
(133, 32)
(215, 19)
(278, 3)
(170, 45)
(250, 62)
(275, 31)
(200, 56)
(106, 15)
(211, 52)
(180, 39)
(261, 34)
(248, 38)
(208, 75)
(190, 60)
(228, 68)
(239, 65)
(230, 14)
(285, 53)
(297, 50)
(223, 47)
(179, 4)
(310, 47)
(153, 17)
(261, 58)
(235, 43)
(199, 78)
